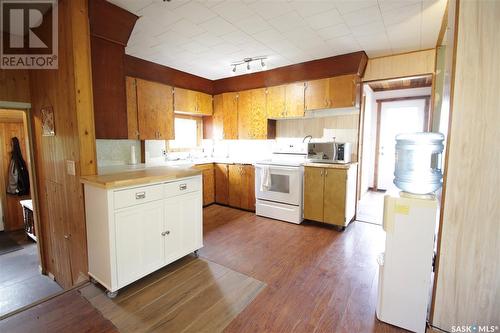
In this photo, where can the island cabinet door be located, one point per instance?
(335, 196)
(183, 228)
(139, 241)
(313, 193)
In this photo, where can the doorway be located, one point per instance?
(21, 278)
(391, 107)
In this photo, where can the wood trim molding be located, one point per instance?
(377, 146)
(397, 99)
(110, 22)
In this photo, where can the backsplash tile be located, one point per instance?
(116, 152)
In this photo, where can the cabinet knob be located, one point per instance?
(67, 236)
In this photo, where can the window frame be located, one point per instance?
(199, 134)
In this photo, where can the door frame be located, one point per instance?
(426, 127)
(26, 108)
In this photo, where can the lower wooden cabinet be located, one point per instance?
(208, 183)
(330, 194)
(221, 172)
(241, 187)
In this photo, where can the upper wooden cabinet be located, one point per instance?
(252, 117)
(155, 114)
(193, 102)
(285, 101)
(225, 117)
(334, 92)
(132, 121)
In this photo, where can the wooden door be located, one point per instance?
(317, 94)
(208, 183)
(343, 91)
(335, 196)
(248, 187)
(294, 102)
(221, 183)
(132, 126)
(204, 104)
(139, 240)
(313, 193)
(185, 100)
(235, 185)
(154, 110)
(230, 116)
(275, 102)
(218, 118)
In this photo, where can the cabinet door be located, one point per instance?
(204, 104)
(248, 187)
(183, 228)
(221, 183)
(154, 110)
(334, 197)
(218, 118)
(234, 193)
(343, 91)
(317, 94)
(294, 102)
(139, 242)
(230, 111)
(245, 115)
(275, 102)
(208, 183)
(313, 193)
(252, 118)
(132, 126)
(185, 100)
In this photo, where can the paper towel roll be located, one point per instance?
(133, 158)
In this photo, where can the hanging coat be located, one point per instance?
(19, 182)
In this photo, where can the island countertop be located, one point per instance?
(139, 177)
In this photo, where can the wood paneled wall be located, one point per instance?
(299, 128)
(400, 65)
(14, 85)
(468, 276)
(12, 124)
(68, 91)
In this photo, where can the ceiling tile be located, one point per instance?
(324, 19)
(186, 28)
(253, 24)
(376, 27)
(388, 5)
(233, 11)
(218, 26)
(194, 12)
(270, 9)
(288, 21)
(306, 8)
(338, 30)
(396, 16)
(349, 6)
(362, 16)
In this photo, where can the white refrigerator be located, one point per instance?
(405, 268)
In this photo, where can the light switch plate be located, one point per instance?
(70, 167)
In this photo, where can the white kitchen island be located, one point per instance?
(140, 221)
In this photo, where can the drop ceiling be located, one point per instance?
(203, 37)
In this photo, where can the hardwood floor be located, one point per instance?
(191, 295)
(318, 279)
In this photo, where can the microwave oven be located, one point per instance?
(333, 152)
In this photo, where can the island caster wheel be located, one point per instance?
(342, 228)
(111, 294)
(93, 281)
(196, 254)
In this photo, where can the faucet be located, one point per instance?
(307, 136)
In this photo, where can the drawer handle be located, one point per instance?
(140, 195)
(183, 187)
(165, 233)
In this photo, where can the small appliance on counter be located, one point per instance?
(405, 268)
(329, 152)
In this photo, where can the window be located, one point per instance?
(188, 133)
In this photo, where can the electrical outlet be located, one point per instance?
(70, 167)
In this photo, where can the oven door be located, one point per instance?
(286, 184)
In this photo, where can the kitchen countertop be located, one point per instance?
(331, 165)
(139, 176)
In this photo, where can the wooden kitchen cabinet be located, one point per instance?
(241, 189)
(285, 101)
(275, 102)
(221, 172)
(252, 117)
(225, 116)
(208, 183)
(330, 194)
(192, 102)
(132, 121)
(334, 92)
(155, 112)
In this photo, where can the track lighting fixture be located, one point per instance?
(247, 62)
